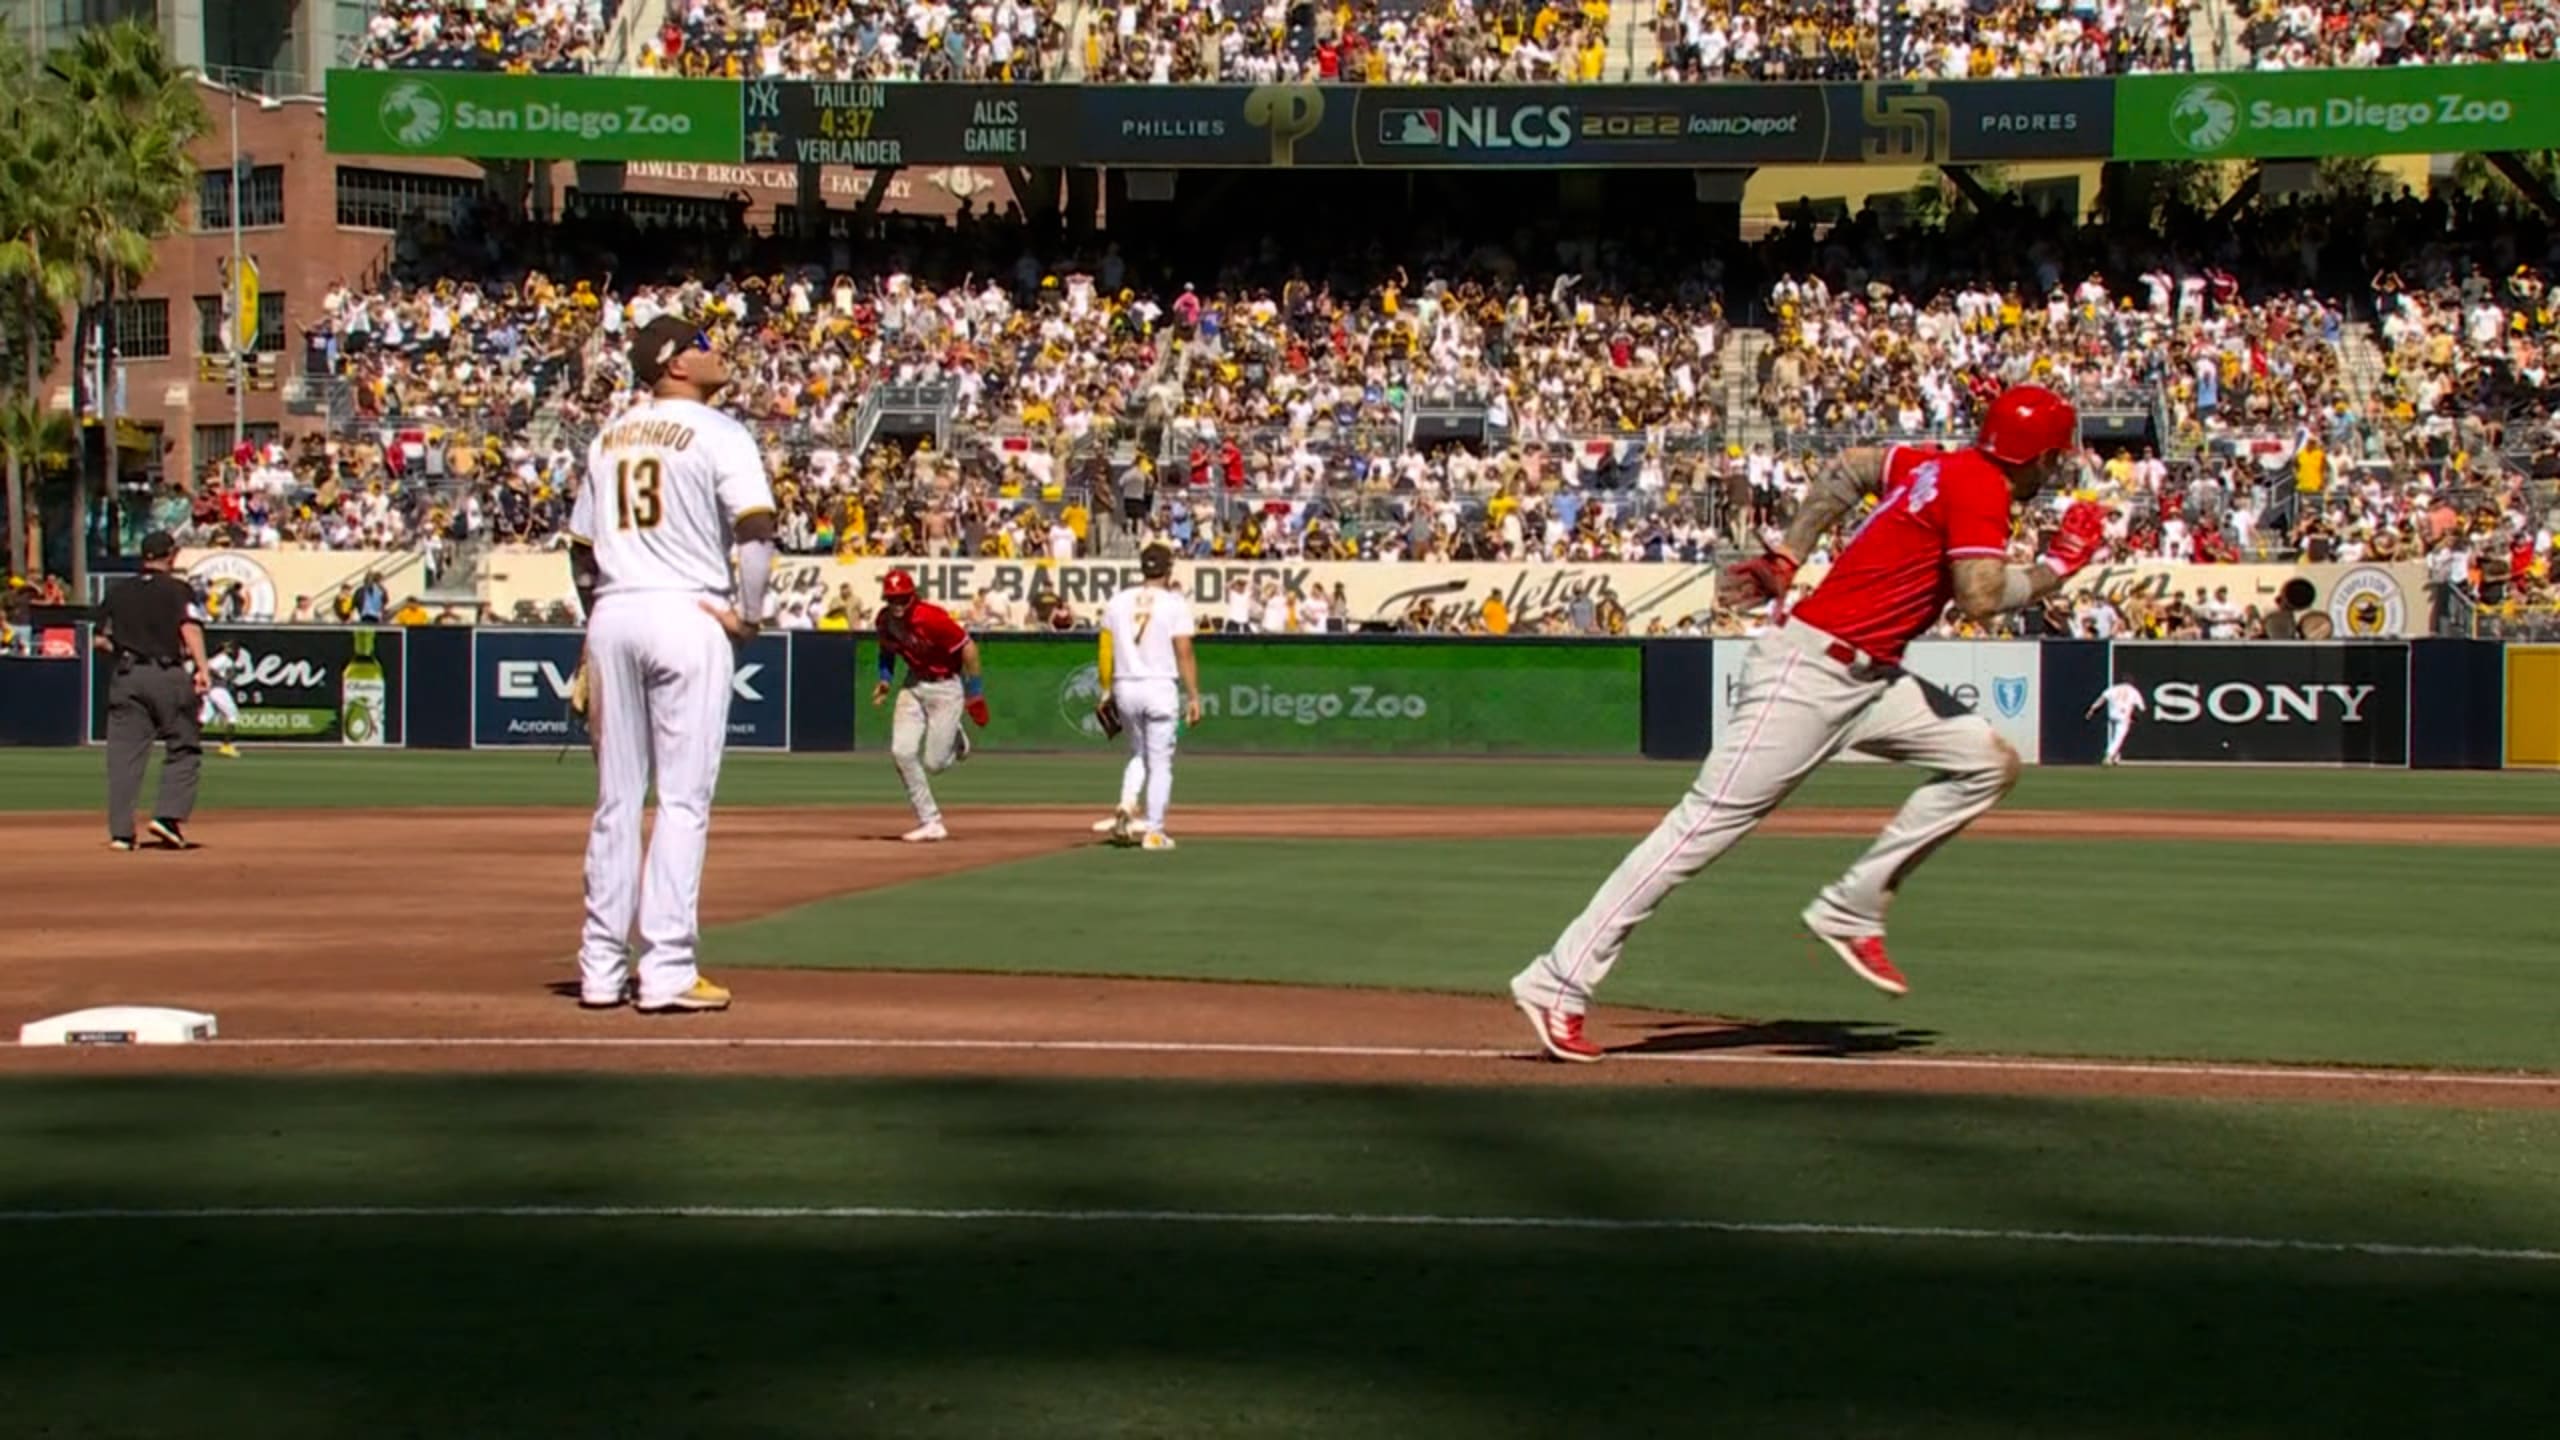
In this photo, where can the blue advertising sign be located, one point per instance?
(520, 691)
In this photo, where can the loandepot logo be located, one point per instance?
(2204, 117)
(412, 114)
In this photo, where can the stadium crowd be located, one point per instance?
(518, 37)
(845, 40)
(1096, 401)
(1707, 40)
(2303, 35)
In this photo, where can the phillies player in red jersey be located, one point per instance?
(942, 682)
(1830, 678)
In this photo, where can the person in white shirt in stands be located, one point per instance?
(1146, 649)
(2122, 701)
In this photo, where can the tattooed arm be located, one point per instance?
(1851, 478)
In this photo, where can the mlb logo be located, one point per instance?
(1412, 127)
(2009, 692)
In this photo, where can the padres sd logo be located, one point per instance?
(1286, 113)
(1905, 127)
(2367, 603)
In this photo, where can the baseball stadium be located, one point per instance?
(1558, 459)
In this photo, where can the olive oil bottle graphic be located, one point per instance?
(361, 693)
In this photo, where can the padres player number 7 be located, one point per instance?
(669, 484)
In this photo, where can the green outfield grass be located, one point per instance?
(2223, 951)
(940, 1325)
(74, 780)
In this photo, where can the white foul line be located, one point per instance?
(1988, 1064)
(982, 1215)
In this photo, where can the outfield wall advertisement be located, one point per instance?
(302, 685)
(2000, 680)
(2266, 703)
(1339, 697)
(520, 691)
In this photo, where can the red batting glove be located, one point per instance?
(2082, 540)
(977, 708)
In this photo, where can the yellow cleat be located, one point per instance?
(1156, 840)
(227, 750)
(702, 996)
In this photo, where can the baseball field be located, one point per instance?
(2227, 1103)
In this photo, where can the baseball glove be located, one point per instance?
(578, 692)
(1106, 713)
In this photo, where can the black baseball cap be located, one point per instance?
(658, 344)
(1156, 561)
(159, 545)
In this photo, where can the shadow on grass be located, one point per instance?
(1815, 1039)
(834, 1329)
(993, 1326)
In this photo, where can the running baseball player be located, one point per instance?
(1146, 648)
(670, 484)
(943, 683)
(2123, 701)
(221, 668)
(1830, 679)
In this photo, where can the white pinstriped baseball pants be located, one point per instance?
(1799, 707)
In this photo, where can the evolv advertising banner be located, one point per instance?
(471, 114)
(2000, 680)
(319, 685)
(2305, 114)
(520, 691)
(2256, 702)
(1341, 697)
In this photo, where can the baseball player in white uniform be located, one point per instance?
(221, 667)
(1146, 651)
(670, 483)
(2123, 702)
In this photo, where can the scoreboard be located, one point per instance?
(872, 125)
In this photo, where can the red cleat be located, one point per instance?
(1865, 955)
(1559, 1033)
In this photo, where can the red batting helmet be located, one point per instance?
(2027, 423)
(897, 585)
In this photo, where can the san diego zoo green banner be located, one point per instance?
(1323, 695)
(2304, 114)
(471, 116)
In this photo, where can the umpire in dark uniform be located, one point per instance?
(145, 626)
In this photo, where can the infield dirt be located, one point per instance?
(440, 940)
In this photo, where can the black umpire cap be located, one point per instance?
(159, 545)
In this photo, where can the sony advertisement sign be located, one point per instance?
(2260, 702)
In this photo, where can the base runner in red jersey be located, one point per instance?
(1830, 678)
(943, 684)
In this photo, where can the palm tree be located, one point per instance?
(127, 116)
(38, 280)
(40, 441)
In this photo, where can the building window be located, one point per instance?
(388, 199)
(142, 329)
(261, 200)
(213, 442)
(210, 339)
